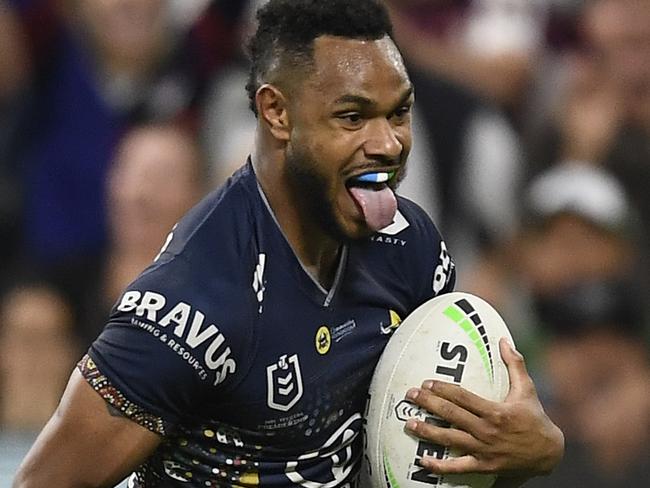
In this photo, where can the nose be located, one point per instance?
(382, 141)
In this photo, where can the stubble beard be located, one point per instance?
(309, 191)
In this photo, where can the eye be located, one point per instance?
(353, 117)
(350, 119)
(402, 112)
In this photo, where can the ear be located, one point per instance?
(272, 110)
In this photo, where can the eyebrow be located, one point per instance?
(367, 102)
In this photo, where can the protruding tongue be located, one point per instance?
(378, 206)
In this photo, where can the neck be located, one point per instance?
(316, 250)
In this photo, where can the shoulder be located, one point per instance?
(221, 223)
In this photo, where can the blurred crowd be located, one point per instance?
(531, 153)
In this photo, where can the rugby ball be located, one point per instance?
(453, 338)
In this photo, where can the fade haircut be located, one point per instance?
(286, 30)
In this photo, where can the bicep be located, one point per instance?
(85, 443)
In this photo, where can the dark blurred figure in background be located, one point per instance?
(96, 68)
(488, 46)
(602, 114)
(596, 360)
(577, 226)
(37, 351)
(229, 140)
(14, 73)
(157, 175)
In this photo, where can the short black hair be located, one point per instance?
(286, 30)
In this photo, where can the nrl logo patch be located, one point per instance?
(283, 383)
(323, 340)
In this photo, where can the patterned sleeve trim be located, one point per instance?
(114, 397)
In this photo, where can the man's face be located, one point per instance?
(127, 29)
(350, 117)
(568, 248)
(152, 184)
(599, 379)
(619, 32)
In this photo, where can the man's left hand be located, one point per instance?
(513, 438)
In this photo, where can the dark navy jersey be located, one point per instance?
(254, 374)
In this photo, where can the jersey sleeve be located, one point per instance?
(166, 346)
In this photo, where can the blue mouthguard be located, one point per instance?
(380, 177)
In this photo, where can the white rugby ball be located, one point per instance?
(453, 338)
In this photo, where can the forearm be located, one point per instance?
(501, 78)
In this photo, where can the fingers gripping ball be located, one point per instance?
(452, 338)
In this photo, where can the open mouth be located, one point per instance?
(374, 197)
